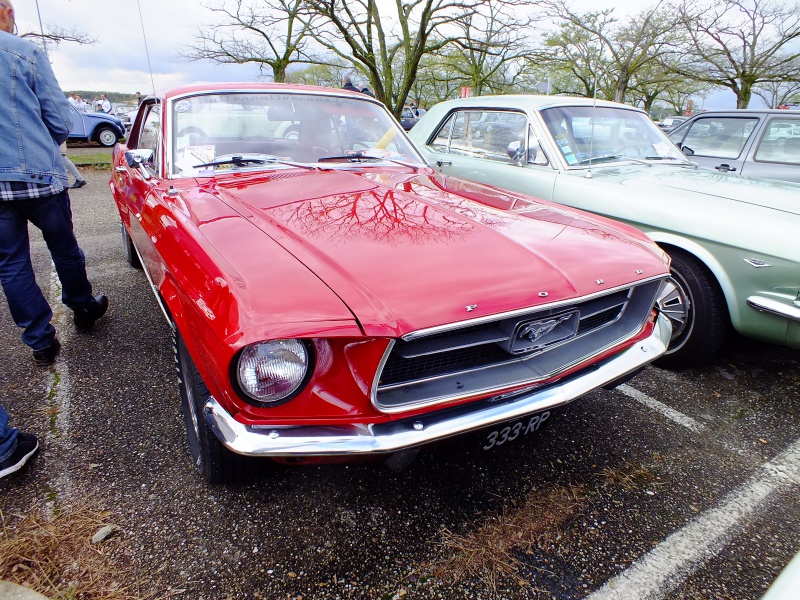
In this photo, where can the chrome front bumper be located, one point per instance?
(386, 438)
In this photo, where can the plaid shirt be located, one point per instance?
(22, 190)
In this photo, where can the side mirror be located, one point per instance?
(516, 152)
(686, 150)
(138, 158)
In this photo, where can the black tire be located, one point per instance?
(130, 250)
(106, 137)
(700, 332)
(215, 463)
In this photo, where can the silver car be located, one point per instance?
(751, 142)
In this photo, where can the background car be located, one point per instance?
(669, 123)
(733, 241)
(747, 142)
(408, 119)
(95, 127)
(331, 297)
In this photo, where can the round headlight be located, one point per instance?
(271, 371)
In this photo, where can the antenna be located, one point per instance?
(41, 28)
(146, 51)
(591, 131)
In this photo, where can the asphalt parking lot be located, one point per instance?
(679, 485)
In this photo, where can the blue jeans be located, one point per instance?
(8, 436)
(28, 306)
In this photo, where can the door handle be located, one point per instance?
(725, 167)
(444, 163)
(121, 170)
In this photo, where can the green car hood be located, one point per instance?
(777, 195)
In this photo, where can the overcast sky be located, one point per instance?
(118, 61)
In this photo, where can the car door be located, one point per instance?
(776, 155)
(140, 189)
(78, 123)
(495, 147)
(717, 142)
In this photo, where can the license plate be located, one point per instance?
(510, 432)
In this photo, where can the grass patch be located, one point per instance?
(630, 476)
(55, 556)
(91, 159)
(490, 552)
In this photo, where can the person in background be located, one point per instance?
(367, 91)
(80, 104)
(71, 168)
(105, 105)
(347, 84)
(138, 99)
(73, 100)
(420, 111)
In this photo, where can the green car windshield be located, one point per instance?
(587, 135)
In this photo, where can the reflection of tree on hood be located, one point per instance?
(377, 214)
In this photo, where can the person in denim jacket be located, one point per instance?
(33, 189)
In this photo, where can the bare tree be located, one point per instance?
(491, 41)
(572, 59)
(778, 93)
(436, 80)
(621, 49)
(325, 75)
(740, 44)
(268, 33)
(54, 34)
(386, 42)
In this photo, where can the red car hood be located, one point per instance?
(404, 254)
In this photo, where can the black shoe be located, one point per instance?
(47, 356)
(27, 445)
(84, 318)
(79, 183)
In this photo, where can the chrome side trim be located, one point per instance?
(153, 287)
(522, 311)
(365, 439)
(773, 307)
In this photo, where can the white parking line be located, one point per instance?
(61, 400)
(657, 573)
(670, 413)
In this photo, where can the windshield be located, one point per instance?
(274, 130)
(604, 134)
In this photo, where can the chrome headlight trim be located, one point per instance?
(272, 372)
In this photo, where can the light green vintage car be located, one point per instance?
(734, 242)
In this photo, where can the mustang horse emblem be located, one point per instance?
(533, 331)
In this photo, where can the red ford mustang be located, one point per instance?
(332, 296)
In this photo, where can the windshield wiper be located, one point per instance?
(600, 158)
(241, 160)
(680, 161)
(366, 155)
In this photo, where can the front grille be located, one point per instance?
(493, 355)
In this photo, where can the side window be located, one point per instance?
(150, 134)
(441, 143)
(780, 142)
(483, 134)
(496, 131)
(536, 155)
(720, 137)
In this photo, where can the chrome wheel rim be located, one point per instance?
(107, 138)
(676, 305)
